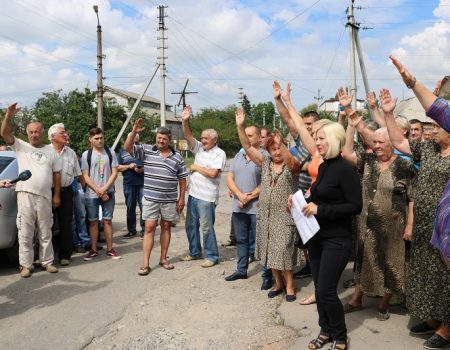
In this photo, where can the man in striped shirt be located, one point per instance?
(164, 172)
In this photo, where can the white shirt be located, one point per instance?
(70, 166)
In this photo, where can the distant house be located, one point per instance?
(150, 105)
(332, 105)
(411, 109)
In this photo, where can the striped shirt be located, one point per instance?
(161, 175)
(203, 187)
(304, 180)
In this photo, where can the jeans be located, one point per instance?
(79, 230)
(200, 218)
(328, 258)
(133, 196)
(252, 241)
(244, 228)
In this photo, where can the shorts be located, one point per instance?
(153, 210)
(92, 205)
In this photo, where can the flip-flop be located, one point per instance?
(166, 264)
(144, 271)
(351, 308)
(308, 301)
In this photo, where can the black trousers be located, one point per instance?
(65, 215)
(328, 258)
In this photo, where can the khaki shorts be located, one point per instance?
(153, 210)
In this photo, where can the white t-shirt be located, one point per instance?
(42, 162)
(203, 187)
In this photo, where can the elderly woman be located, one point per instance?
(275, 228)
(429, 280)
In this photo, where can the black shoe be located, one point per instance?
(251, 259)
(236, 276)
(129, 235)
(274, 293)
(421, 328)
(79, 249)
(101, 240)
(435, 342)
(267, 284)
(99, 247)
(304, 272)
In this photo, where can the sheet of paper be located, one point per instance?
(307, 226)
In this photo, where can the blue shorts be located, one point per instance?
(92, 205)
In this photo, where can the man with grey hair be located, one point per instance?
(70, 169)
(203, 192)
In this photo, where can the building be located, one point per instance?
(332, 105)
(411, 109)
(150, 105)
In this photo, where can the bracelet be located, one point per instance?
(413, 83)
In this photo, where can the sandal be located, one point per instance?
(337, 346)
(144, 271)
(308, 301)
(166, 264)
(383, 314)
(319, 342)
(351, 308)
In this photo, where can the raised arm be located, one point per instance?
(291, 162)
(372, 101)
(137, 128)
(283, 110)
(400, 142)
(6, 131)
(299, 125)
(254, 154)
(185, 117)
(348, 152)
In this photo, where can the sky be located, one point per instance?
(222, 47)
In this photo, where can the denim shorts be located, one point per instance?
(92, 205)
(152, 210)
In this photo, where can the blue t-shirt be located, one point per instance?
(130, 177)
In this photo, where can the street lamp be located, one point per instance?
(99, 72)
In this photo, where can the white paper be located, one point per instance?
(307, 226)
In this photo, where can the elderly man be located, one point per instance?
(57, 135)
(203, 192)
(164, 171)
(34, 197)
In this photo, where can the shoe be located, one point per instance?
(349, 283)
(101, 240)
(90, 255)
(129, 235)
(383, 314)
(25, 272)
(351, 308)
(267, 284)
(421, 329)
(252, 259)
(274, 293)
(228, 243)
(291, 297)
(65, 262)
(113, 254)
(335, 345)
(51, 268)
(435, 342)
(236, 276)
(304, 272)
(189, 258)
(319, 342)
(208, 263)
(79, 249)
(166, 264)
(144, 271)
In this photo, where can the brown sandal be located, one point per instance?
(144, 271)
(319, 342)
(166, 264)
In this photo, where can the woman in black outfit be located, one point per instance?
(335, 197)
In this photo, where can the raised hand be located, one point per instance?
(138, 126)
(240, 116)
(354, 118)
(372, 100)
(387, 102)
(187, 113)
(12, 109)
(344, 99)
(407, 77)
(286, 95)
(276, 89)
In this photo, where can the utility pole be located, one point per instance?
(99, 72)
(183, 94)
(318, 99)
(355, 44)
(240, 96)
(264, 117)
(162, 65)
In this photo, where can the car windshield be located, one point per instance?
(4, 162)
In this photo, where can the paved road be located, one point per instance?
(84, 301)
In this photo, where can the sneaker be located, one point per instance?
(51, 268)
(228, 243)
(129, 235)
(65, 262)
(189, 258)
(435, 342)
(113, 254)
(79, 249)
(304, 272)
(90, 255)
(208, 263)
(421, 328)
(25, 272)
(252, 258)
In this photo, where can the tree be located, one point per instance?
(247, 106)
(263, 113)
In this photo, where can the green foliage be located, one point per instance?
(262, 114)
(247, 106)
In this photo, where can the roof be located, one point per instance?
(411, 109)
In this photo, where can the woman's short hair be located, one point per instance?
(335, 135)
(271, 141)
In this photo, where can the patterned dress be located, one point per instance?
(381, 255)
(429, 280)
(275, 228)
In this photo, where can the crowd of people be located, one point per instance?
(384, 200)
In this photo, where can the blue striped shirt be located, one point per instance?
(161, 175)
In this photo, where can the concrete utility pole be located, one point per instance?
(162, 65)
(241, 96)
(318, 99)
(99, 72)
(355, 44)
